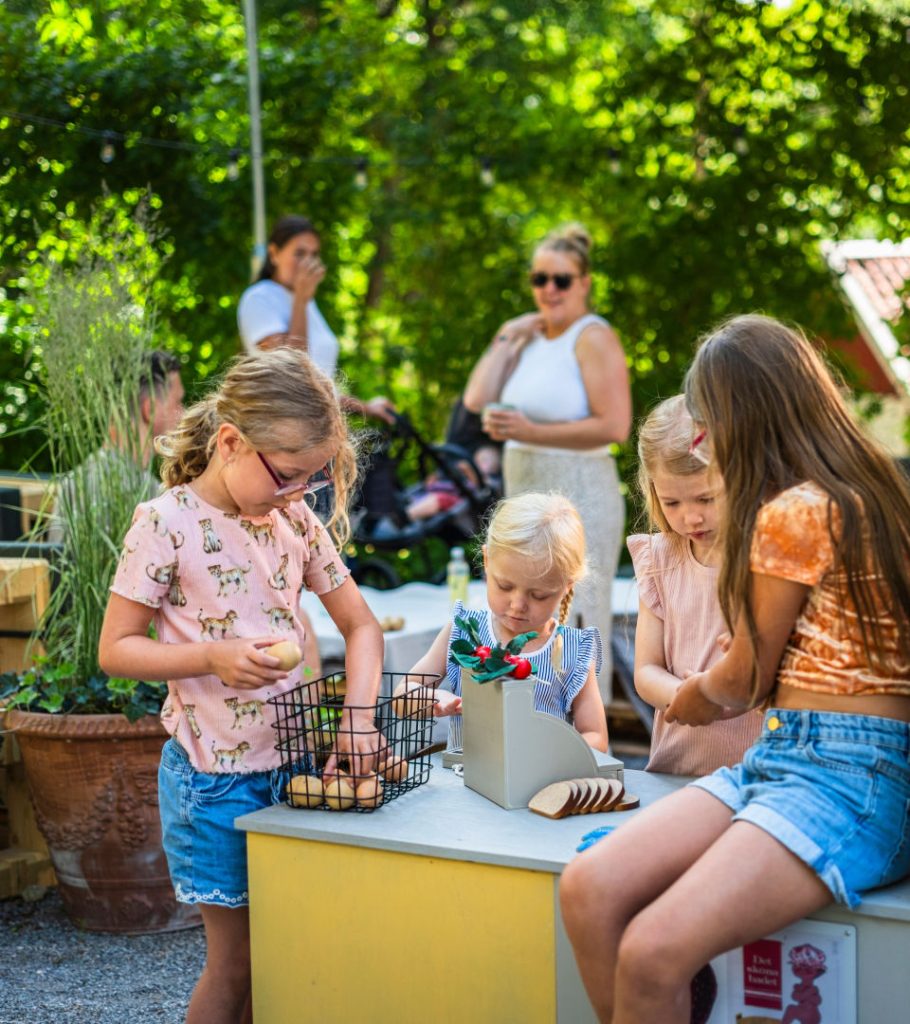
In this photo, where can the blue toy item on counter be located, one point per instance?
(590, 838)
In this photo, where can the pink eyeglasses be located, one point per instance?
(310, 485)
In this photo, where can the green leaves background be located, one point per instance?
(708, 147)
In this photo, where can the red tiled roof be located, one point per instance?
(883, 280)
(875, 278)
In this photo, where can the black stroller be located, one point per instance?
(381, 518)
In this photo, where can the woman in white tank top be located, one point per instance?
(559, 386)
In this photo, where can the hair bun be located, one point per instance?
(576, 233)
(571, 238)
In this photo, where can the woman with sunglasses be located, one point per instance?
(279, 309)
(554, 386)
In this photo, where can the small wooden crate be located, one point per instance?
(24, 593)
(25, 589)
(36, 497)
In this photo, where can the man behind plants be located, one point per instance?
(158, 410)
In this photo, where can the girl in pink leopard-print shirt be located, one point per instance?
(216, 564)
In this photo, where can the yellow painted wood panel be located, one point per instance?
(345, 933)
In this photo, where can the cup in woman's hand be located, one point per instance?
(495, 407)
(488, 416)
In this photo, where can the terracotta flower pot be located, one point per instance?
(93, 780)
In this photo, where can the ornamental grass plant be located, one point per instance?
(93, 341)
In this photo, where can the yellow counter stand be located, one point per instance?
(441, 907)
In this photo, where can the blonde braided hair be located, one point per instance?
(558, 648)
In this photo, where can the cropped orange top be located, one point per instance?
(793, 541)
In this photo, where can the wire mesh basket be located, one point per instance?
(310, 728)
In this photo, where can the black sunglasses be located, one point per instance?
(562, 281)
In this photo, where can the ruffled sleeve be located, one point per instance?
(583, 647)
(453, 669)
(641, 548)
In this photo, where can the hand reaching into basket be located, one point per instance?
(358, 743)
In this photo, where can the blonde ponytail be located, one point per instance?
(279, 401)
(186, 450)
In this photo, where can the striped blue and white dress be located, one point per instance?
(555, 692)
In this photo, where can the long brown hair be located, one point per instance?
(775, 417)
(279, 401)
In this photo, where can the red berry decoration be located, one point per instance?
(488, 662)
(522, 668)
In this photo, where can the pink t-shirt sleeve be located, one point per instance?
(792, 536)
(641, 548)
(325, 571)
(148, 559)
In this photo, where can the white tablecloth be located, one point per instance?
(425, 609)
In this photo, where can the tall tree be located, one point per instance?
(707, 148)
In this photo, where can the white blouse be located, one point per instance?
(265, 309)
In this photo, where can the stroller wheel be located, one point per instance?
(375, 573)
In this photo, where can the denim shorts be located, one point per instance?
(206, 855)
(833, 789)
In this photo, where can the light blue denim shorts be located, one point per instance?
(834, 789)
(206, 855)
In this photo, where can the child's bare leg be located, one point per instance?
(603, 889)
(744, 887)
(222, 994)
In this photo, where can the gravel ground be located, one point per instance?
(52, 973)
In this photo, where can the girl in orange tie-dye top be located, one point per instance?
(217, 563)
(680, 626)
(815, 590)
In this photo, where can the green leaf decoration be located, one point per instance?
(465, 660)
(495, 665)
(488, 675)
(515, 645)
(470, 628)
(462, 646)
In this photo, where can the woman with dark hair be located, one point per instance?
(279, 309)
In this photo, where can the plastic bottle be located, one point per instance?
(457, 575)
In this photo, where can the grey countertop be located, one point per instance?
(443, 818)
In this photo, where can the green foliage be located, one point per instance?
(91, 334)
(48, 687)
(708, 147)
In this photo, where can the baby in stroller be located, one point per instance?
(482, 468)
(461, 478)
